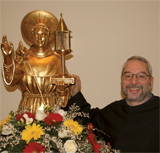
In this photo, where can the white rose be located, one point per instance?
(7, 132)
(7, 129)
(62, 133)
(40, 115)
(62, 112)
(70, 146)
(4, 151)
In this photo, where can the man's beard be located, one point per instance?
(144, 93)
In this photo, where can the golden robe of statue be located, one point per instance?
(33, 68)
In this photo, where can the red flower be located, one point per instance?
(34, 147)
(90, 128)
(53, 118)
(92, 140)
(109, 146)
(30, 115)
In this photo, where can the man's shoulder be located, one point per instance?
(155, 101)
(156, 97)
(118, 104)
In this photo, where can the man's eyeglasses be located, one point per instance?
(140, 76)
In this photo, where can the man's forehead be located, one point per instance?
(136, 66)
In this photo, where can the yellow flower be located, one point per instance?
(6, 120)
(75, 127)
(34, 131)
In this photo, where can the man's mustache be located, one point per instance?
(134, 86)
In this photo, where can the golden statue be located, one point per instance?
(33, 69)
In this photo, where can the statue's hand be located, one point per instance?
(63, 92)
(74, 88)
(60, 85)
(7, 48)
(22, 50)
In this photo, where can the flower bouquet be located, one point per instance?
(49, 130)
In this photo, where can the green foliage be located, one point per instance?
(54, 146)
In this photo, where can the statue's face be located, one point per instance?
(40, 36)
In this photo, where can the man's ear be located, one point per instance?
(152, 81)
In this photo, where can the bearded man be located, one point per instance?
(130, 124)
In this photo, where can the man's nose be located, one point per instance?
(134, 79)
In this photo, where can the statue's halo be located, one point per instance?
(38, 17)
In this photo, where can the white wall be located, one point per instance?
(105, 34)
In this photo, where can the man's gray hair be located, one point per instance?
(142, 59)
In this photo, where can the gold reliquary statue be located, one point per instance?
(39, 71)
